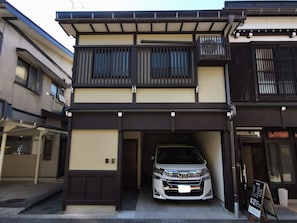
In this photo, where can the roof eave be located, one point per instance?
(19, 16)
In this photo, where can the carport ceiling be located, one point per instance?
(210, 21)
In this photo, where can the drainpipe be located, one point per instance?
(234, 170)
(230, 116)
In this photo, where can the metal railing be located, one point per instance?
(213, 48)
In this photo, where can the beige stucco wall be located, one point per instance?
(165, 95)
(103, 95)
(105, 40)
(211, 83)
(91, 209)
(19, 166)
(7, 63)
(211, 148)
(90, 148)
(165, 37)
(15, 93)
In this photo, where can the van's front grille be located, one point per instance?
(183, 174)
(171, 188)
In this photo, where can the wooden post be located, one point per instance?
(7, 127)
(42, 132)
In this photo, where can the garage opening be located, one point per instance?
(137, 165)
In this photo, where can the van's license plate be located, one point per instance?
(184, 189)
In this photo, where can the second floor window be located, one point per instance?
(28, 76)
(276, 70)
(111, 63)
(58, 92)
(168, 63)
(143, 65)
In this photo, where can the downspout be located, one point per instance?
(230, 116)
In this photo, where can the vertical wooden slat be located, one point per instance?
(119, 66)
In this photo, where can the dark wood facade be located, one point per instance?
(91, 187)
(263, 89)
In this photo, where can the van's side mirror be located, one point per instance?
(153, 158)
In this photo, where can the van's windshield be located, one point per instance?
(178, 155)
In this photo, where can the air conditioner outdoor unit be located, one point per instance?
(211, 47)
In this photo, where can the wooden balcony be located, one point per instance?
(213, 50)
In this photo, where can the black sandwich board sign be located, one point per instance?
(261, 201)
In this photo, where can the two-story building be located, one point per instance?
(35, 73)
(143, 78)
(263, 85)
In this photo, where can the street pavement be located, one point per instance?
(29, 202)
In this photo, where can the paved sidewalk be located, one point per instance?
(16, 197)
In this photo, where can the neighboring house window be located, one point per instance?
(19, 145)
(168, 63)
(58, 92)
(28, 76)
(276, 70)
(111, 63)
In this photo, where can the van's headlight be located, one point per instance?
(158, 171)
(169, 173)
(204, 172)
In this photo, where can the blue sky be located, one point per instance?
(43, 12)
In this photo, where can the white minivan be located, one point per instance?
(180, 173)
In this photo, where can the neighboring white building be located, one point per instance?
(35, 89)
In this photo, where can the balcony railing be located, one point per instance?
(213, 49)
(134, 65)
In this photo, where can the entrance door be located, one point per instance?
(253, 167)
(129, 176)
(282, 167)
(254, 163)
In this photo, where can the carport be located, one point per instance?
(13, 128)
(137, 171)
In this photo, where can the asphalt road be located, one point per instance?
(51, 205)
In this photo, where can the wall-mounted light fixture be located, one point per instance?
(120, 114)
(68, 113)
(172, 114)
(293, 34)
(250, 35)
(283, 108)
